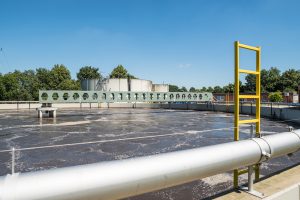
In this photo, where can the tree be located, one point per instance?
(69, 85)
(203, 89)
(290, 79)
(210, 89)
(24, 86)
(273, 80)
(2, 88)
(14, 87)
(88, 72)
(289, 90)
(183, 89)
(58, 78)
(218, 89)
(229, 88)
(250, 85)
(192, 89)
(29, 83)
(11, 86)
(58, 74)
(173, 88)
(242, 87)
(276, 97)
(43, 78)
(270, 79)
(119, 72)
(131, 76)
(264, 80)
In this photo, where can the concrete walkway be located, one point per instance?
(269, 186)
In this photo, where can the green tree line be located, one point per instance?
(272, 80)
(25, 86)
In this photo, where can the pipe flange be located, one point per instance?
(296, 132)
(266, 151)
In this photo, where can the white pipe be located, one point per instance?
(124, 178)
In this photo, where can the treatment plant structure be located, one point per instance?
(122, 85)
(130, 177)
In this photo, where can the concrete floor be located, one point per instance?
(268, 186)
(191, 129)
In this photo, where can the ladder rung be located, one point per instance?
(246, 121)
(245, 71)
(248, 96)
(243, 171)
(249, 47)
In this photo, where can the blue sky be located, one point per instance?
(186, 43)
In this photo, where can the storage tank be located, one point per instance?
(139, 85)
(160, 87)
(122, 85)
(117, 84)
(90, 84)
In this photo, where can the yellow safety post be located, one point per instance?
(237, 98)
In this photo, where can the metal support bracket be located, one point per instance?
(253, 192)
(266, 155)
(249, 189)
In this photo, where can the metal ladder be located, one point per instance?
(237, 97)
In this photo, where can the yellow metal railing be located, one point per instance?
(237, 98)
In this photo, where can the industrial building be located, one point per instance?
(122, 85)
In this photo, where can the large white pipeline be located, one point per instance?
(124, 178)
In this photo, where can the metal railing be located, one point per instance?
(19, 103)
(269, 104)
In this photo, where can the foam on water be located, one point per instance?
(175, 130)
(217, 179)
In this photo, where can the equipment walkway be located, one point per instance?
(268, 186)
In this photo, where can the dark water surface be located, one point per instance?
(21, 129)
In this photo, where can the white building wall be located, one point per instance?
(115, 84)
(138, 85)
(160, 87)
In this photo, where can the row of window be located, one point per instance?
(123, 96)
